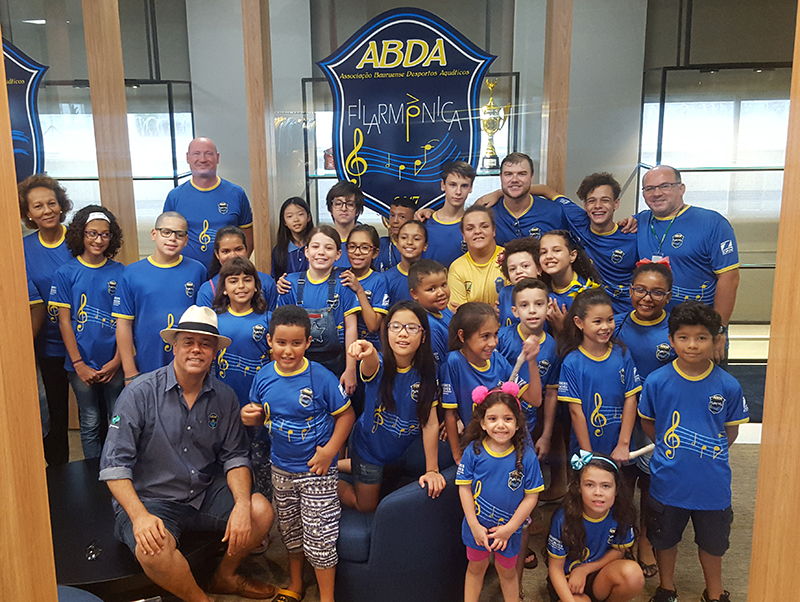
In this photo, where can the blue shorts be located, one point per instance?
(179, 516)
(363, 471)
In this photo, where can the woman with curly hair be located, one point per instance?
(589, 533)
(43, 206)
(83, 293)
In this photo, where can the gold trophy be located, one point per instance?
(493, 118)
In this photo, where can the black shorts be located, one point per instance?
(588, 589)
(712, 528)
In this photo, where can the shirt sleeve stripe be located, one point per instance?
(645, 416)
(380, 310)
(569, 399)
(342, 409)
(243, 226)
(463, 482)
(551, 387)
(352, 311)
(549, 553)
(36, 302)
(537, 490)
(123, 316)
(450, 406)
(737, 422)
(56, 304)
(728, 269)
(633, 391)
(622, 546)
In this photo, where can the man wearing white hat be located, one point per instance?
(171, 428)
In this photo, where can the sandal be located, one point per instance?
(531, 564)
(649, 570)
(287, 595)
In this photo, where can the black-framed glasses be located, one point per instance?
(641, 293)
(92, 234)
(411, 329)
(664, 187)
(167, 233)
(363, 249)
(343, 205)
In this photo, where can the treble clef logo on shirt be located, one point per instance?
(378, 418)
(597, 419)
(82, 316)
(475, 497)
(170, 324)
(222, 363)
(671, 438)
(204, 237)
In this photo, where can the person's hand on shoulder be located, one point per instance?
(629, 225)
(423, 215)
(283, 285)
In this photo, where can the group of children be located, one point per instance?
(378, 322)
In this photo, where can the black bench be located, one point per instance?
(88, 555)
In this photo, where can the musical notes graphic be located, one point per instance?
(597, 419)
(389, 164)
(82, 315)
(222, 363)
(671, 438)
(475, 497)
(170, 324)
(354, 165)
(400, 170)
(204, 237)
(409, 108)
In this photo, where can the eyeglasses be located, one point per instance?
(343, 205)
(662, 187)
(641, 293)
(363, 249)
(92, 234)
(411, 329)
(167, 233)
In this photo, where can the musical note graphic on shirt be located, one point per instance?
(671, 438)
(82, 316)
(597, 419)
(717, 451)
(170, 324)
(222, 363)
(475, 497)
(204, 237)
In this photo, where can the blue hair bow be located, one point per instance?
(579, 461)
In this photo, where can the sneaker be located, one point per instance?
(664, 595)
(725, 597)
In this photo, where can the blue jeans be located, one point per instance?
(95, 406)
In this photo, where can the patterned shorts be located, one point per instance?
(308, 512)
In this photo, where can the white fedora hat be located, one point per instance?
(198, 320)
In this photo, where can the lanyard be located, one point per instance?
(663, 238)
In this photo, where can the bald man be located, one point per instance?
(208, 202)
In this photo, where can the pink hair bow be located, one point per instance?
(480, 393)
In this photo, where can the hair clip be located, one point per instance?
(480, 393)
(579, 461)
(662, 261)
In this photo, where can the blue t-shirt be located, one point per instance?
(505, 301)
(440, 334)
(397, 284)
(388, 255)
(238, 363)
(614, 253)
(374, 285)
(315, 296)
(343, 263)
(542, 215)
(445, 241)
(600, 386)
(498, 489)
(459, 378)
(567, 295)
(380, 436)
(300, 408)
(509, 344)
(155, 296)
(88, 292)
(690, 465)
(295, 261)
(647, 341)
(601, 536)
(207, 210)
(205, 296)
(700, 244)
(41, 263)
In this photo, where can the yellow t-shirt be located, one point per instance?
(470, 281)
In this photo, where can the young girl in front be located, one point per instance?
(646, 334)
(598, 378)
(368, 285)
(401, 395)
(412, 240)
(474, 361)
(83, 291)
(588, 535)
(566, 270)
(229, 242)
(244, 318)
(520, 260)
(499, 481)
(331, 306)
(288, 254)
